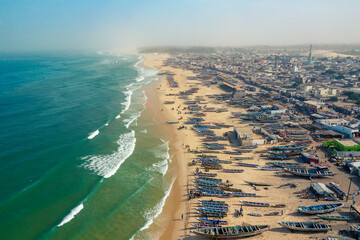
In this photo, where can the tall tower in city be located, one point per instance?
(310, 55)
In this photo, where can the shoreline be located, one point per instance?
(175, 199)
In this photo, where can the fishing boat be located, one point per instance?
(309, 173)
(255, 214)
(255, 204)
(233, 170)
(278, 157)
(337, 190)
(205, 174)
(335, 218)
(209, 179)
(247, 164)
(244, 150)
(204, 225)
(210, 201)
(240, 194)
(212, 221)
(306, 226)
(289, 147)
(215, 194)
(233, 232)
(170, 122)
(323, 208)
(286, 152)
(206, 184)
(257, 183)
(288, 165)
(242, 158)
(230, 189)
(278, 205)
(272, 214)
(269, 168)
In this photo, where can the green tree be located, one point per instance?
(333, 99)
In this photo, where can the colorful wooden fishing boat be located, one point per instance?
(270, 168)
(240, 194)
(255, 214)
(233, 232)
(242, 158)
(272, 214)
(212, 221)
(247, 164)
(257, 183)
(286, 152)
(306, 226)
(335, 218)
(337, 190)
(255, 204)
(278, 157)
(233, 170)
(210, 201)
(289, 147)
(309, 173)
(289, 165)
(323, 208)
(204, 225)
(205, 174)
(209, 179)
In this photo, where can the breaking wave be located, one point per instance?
(93, 134)
(71, 215)
(107, 165)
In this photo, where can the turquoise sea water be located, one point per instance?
(76, 158)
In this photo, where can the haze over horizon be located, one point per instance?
(82, 25)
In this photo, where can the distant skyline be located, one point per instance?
(125, 25)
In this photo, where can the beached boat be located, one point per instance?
(306, 226)
(272, 214)
(257, 183)
(230, 189)
(215, 194)
(242, 158)
(212, 221)
(289, 147)
(286, 152)
(278, 157)
(319, 209)
(204, 225)
(289, 165)
(337, 190)
(232, 232)
(269, 168)
(244, 150)
(309, 173)
(170, 122)
(255, 204)
(241, 194)
(211, 201)
(247, 164)
(205, 174)
(209, 179)
(255, 214)
(233, 170)
(335, 218)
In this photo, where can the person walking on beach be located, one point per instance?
(182, 217)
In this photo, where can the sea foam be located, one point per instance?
(151, 214)
(71, 215)
(93, 134)
(128, 100)
(107, 165)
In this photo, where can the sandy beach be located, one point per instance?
(279, 192)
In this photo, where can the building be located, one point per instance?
(346, 127)
(314, 106)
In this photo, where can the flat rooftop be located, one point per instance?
(347, 142)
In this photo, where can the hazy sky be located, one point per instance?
(122, 24)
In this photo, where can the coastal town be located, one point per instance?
(270, 138)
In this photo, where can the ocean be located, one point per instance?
(77, 159)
